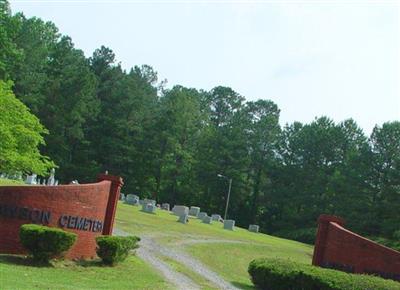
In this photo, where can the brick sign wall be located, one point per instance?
(87, 210)
(341, 249)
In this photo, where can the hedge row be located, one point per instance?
(276, 274)
(45, 243)
(115, 249)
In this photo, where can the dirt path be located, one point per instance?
(151, 251)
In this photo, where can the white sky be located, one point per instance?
(336, 58)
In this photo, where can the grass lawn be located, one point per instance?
(4, 181)
(232, 260)
(228, 259)
(16, 273)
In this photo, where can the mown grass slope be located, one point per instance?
(226, 252)
(16, 272)
(4, 181)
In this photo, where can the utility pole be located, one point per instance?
(229, 194)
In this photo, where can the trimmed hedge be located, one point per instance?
(45, 243)
(277, 274)
(115, 249)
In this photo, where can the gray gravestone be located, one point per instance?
(216, 217)
(122, 196)
(207, 220)
(254, 228)
(229, 225)
(149, 201)
(194, 211)
(132, 199)
(201, 215)
(149, 208)
(165, 206)
(180, 210)
(183, 218)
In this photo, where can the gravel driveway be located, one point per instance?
(151, 252)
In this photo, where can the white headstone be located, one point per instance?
(229, 225)
(194, 211)
(31, 179)
(254, 228)
(51, 179)
(165, 206)
(207, 220)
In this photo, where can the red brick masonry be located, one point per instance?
(86, 209)
(341, 249)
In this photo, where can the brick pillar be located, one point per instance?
(322, 234)
(116, 184)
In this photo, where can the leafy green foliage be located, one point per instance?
(170, 144)
(21, 134)
(306, 235)
(45, 243)
(285, 274)
(113, 250)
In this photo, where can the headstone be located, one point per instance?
(44, 181)
(254, 228)
(165, 206)
(121, 196)
(229, 225)
(56, 183)
(180, 210)
(194, 211)
(216, 217)
(132, 199)
(201, 215)
(149, 201)
(207, 219)
(183, 219)
(51, 179)
(149, 208)
(31, 179)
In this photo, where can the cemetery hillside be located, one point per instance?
(110, 179)
(194, 250)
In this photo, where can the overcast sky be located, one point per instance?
(340, 59)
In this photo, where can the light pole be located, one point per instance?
(229, 193)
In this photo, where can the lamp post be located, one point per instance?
(229, 193)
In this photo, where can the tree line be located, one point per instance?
(170, 144)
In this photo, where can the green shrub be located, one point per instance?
(45, 243)
(115, 249)
(276, 274)
(305, 235)
(396, 235)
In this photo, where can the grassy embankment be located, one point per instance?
(4, 181)
(228, 259)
